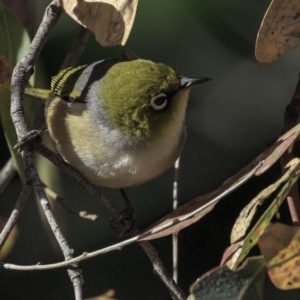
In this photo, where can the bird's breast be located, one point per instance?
(101, 154)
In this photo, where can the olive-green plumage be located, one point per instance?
(128, 87)
(118, 121)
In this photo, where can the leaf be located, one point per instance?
(243, 247)
(109, 295)
(14, 44)
(197, 208)
(243, 222)
(279, 31)
(10, 242)
(284, 143)
(280, 246)
(110, 20)
(222, 283)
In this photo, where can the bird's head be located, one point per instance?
(143, 98)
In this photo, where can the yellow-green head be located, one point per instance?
(142, 97)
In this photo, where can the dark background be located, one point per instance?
(230, 120)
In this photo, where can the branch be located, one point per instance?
(175, 235)
(83, 256)
(291, 115)
(77, 47)
(61, 202)
(7, 173)
(161, 271)
(158, 266)
(94, 190)
(20, 77)
(150, 251)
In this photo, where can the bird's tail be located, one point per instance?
(38, 93)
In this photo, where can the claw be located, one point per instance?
(125, 220)
(33, 136)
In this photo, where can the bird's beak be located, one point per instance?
(190, 82)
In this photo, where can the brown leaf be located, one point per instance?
(195, 209)
(280, 245)
(284, 143)
(232, 250)
(279, 31)
(110, 20)
(244, 246)
(244, 219)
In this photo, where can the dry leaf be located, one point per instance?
(243, 221)
(110, 20)
(243, 247)
(195, 209)
(279, 31)
(280, 245)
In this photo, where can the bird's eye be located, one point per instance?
(159, 101)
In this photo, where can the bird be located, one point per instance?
(119, 121)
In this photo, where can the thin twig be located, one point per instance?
(61, 202)
(176, 234)
(161, 271)
(291, 115)
(76, 48)
(293, 196)
(20, 77)
(74, 270)
(58, 161)
(7, 173)
(83, 256)
(15, 213)
(158, 266)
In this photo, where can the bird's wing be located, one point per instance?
(63, 83)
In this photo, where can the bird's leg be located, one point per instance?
(126, 218)
(33, 137)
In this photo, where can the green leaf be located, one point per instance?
(222, 283)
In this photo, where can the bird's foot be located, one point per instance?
(33, 138)
(125, 220)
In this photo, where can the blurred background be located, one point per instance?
(230, 120)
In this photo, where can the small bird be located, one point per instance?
(120, 122)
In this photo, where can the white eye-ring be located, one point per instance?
(159, 101)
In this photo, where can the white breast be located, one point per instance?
(102, 155)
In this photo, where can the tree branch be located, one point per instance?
(158, 266)
(20, 77)
(292, 112)
(76, 48)
(175, 236)
(94, 190)
(83, 256)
